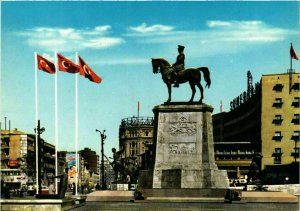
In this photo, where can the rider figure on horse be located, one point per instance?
(179, 64)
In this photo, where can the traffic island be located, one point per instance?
(117, 196)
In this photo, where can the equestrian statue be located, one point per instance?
(177, 74)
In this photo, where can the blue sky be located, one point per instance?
(118, 40)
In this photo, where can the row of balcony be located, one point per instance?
(278, 119)
(279, 87)
(278, 102)
(234, 153)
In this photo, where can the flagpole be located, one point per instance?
(138, 109)
(76, 127)
(291, 60)
(56, 121)
(36, 123)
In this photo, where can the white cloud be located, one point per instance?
(157, 28)
(218, 37)
(70, 39)
(212, 24)
(218, 31)
(103, 42)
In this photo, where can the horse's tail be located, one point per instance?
(206, 73)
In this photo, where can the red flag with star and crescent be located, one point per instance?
(67, 65)
(45, 65)
(87, 72)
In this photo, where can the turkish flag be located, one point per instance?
(293, 53)
(87, 72)
(45, 65)
(67, 65)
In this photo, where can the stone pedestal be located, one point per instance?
(183, 148)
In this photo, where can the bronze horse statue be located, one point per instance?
(191, 75)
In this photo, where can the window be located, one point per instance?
(295, 153)
(233, 152)
(277, 156)
(296, 119)
(277, 120)
(277, 150)
(133, 148)
(242, 152)
(278, 87)
(278, 103)
(277, 136)
(295, 86)
(248, 152)
(296, 135)
(227, 152)
(296, 102)
(277, 160)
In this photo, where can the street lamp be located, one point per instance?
(103, 137)
(40, 147)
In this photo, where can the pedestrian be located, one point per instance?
(51, 188)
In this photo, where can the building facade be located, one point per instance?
(18, 152)
(91, 160)
(280, 119)
(135, 134)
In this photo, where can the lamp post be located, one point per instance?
(40, 147)
(103, 137)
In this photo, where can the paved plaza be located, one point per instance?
(147, 206)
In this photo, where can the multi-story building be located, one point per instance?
(237, 133)
(91, 160)
(264, 119)
(109, 174)
(135, 134)
(280, 119)
(91, 163)
(18, 152)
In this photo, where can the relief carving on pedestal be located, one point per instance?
(182, 148)
(182, 127)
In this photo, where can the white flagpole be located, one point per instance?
(36, 123)
(76, 127)
(56, 122)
